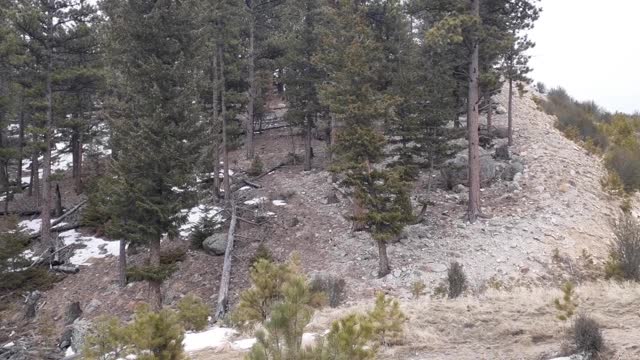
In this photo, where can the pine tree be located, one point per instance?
(306, 21)
(353, 60)
(51, 29)
(151, 51)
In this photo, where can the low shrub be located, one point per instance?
(457, 280)
(256, 167)
(387, 320)
(193, 313)
(624, 253)
(262, 253)
(587, 335)
(330, 285)
(204, 228)
(625, 162)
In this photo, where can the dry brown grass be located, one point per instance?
(517, 324)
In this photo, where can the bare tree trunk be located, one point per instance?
(510, 114)
(225, 150)
(332, 135)
(307, 143)
(34, 181)
(214, 126)
(58, 209)
(490, 114)
(223, 294)
(472, 126)
(20, 139)
(45, 228)
(154, 285)
(383, 259)
(76, 153)
(122, 264)
(252, 87)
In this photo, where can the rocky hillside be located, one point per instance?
(548, 221)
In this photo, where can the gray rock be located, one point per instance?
(455, 171)
(500, 132)
(513, 186)
(511, 169)
(215, 244)
(500, 110)
(436, 267)
(502, 152)
(92, 306)
(332, 198)
(460, 189)
(78, 332)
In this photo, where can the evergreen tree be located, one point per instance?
(151, 49)
(352, 59)
(50, 30)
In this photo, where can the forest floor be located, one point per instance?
(551, 225)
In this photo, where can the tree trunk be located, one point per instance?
(214, 126)
(252, 87)
(34, 184)
(332, 136)
(510, 114)
(223, 294)
(225, 150)
(490, 114)
(122, 264)
(76, 153)
(20, 138)
(45, 228)
(472, 126)
(307, 143)
(155, 291)
(383, 259)
(58, 209)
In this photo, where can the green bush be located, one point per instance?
(204, 228)
(256, 167)
(457, 280)
(626, 164)
(151, 336)
(193, 313)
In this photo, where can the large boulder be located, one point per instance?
(511, 169)
(455, 171)
(215, 244)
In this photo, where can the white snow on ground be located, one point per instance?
(69, 352)
(220, 339)
(95, 247)
(256, 201)
(279, 203)
(245, 188)
(213, 337)
(31, 226)
(195, 214)
(8, 345)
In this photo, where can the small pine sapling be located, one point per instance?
(193, 313)
(387, 320)
(256, 167)
(418, 288)
(569, 302)
(457, 280)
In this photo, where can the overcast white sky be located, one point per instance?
(592, 49)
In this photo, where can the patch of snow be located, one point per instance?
(279, 203)
(95, 247)
(213, 337)
(69, 352)
(194, 215)
(244, 344)
(8, 345)
(256, 201)
(245, 188)
(31, 226)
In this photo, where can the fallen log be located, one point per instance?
(252, 184)
(66, 214)
(223, 294)
(57, 229)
